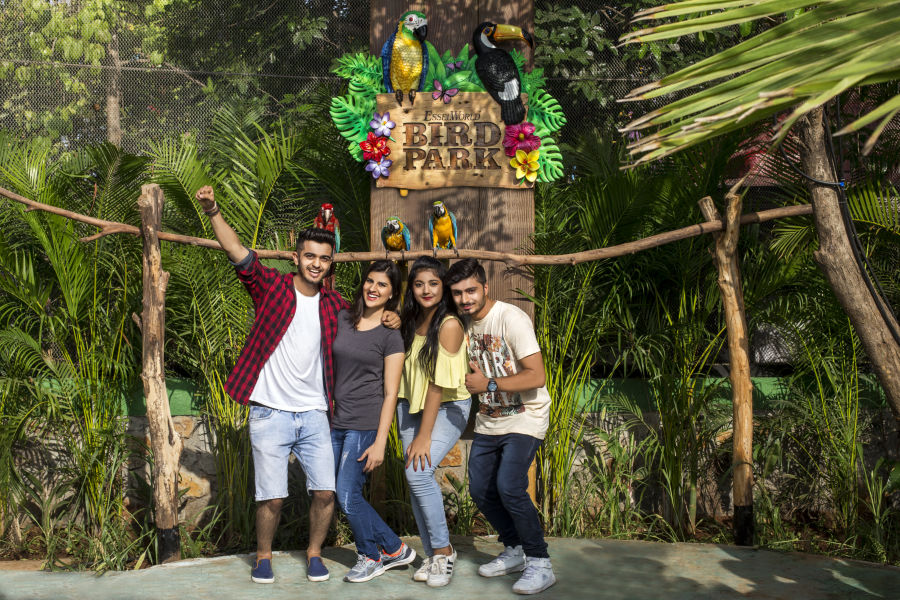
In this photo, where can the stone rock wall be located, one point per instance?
(197, 472)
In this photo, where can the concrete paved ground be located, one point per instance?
(595, 569)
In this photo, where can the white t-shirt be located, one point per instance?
(292, 378)
(497, 343)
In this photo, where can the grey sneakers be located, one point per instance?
(538, 576)
(511, 560)
(364, 570)
(403, 556)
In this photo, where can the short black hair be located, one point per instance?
(467, 267)
(314, 234)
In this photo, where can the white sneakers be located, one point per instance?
(511, 560)
(421, 573)
(441, 570)
(538, 576)
(538, 572)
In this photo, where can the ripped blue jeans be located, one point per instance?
(370, 532)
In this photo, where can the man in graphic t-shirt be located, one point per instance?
(514, 411)
(285, 372)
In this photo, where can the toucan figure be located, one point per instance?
(404, 57)
(497, 70)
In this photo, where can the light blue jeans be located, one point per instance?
(275, 434)
(425, 493)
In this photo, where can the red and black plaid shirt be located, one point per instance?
(275, 302)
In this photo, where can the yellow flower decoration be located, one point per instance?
(526, 164)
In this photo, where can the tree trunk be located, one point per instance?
(728, 266)
(165, 442)
(835, 258)
(114, 94)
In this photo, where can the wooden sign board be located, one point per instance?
(438, 145)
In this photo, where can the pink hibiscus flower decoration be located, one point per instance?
(520, 137)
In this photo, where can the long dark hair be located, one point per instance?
(412, 311)
(359, 302)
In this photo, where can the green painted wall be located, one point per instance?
(766, 391)
(185, 399)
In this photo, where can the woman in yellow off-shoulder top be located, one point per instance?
(434, 406)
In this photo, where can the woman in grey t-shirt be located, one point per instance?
(368, 362)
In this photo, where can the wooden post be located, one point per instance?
(726, 260)
(165, 442)
(488, 218)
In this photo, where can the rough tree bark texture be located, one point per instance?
(728, 266)
(114, 94)
(165, 442)
(835, 258)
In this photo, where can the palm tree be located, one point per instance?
(812, 55)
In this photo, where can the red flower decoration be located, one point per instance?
(520, 137)
(374, 147)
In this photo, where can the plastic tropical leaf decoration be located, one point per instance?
(356, 118)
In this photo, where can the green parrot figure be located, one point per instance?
(404, 57)
(395, 235)
(442, 227)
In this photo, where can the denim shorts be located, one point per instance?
(274, 434)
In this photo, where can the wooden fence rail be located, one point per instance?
(511, 259)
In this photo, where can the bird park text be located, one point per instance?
(436, 145)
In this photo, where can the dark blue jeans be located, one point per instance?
(369, 530)
(498, 482)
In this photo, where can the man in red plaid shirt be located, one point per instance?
(285, 372)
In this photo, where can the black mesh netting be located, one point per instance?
(70, 68)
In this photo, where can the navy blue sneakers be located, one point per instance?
(316, 570)
(262, 572)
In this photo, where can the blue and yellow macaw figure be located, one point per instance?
(404, 57)
(442, 227)
(395, 235)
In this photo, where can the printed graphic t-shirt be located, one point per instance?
(497, 343)
(292, 378)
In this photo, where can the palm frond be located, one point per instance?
(799, 64)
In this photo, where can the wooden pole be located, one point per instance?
(165, 442)
(726, 260)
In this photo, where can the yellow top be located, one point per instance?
(449, 374)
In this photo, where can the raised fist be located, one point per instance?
(206, 198)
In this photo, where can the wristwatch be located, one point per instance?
(492, 385)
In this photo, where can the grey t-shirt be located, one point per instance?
(359, 373)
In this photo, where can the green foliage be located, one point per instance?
(41, 34)
(801, 63)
